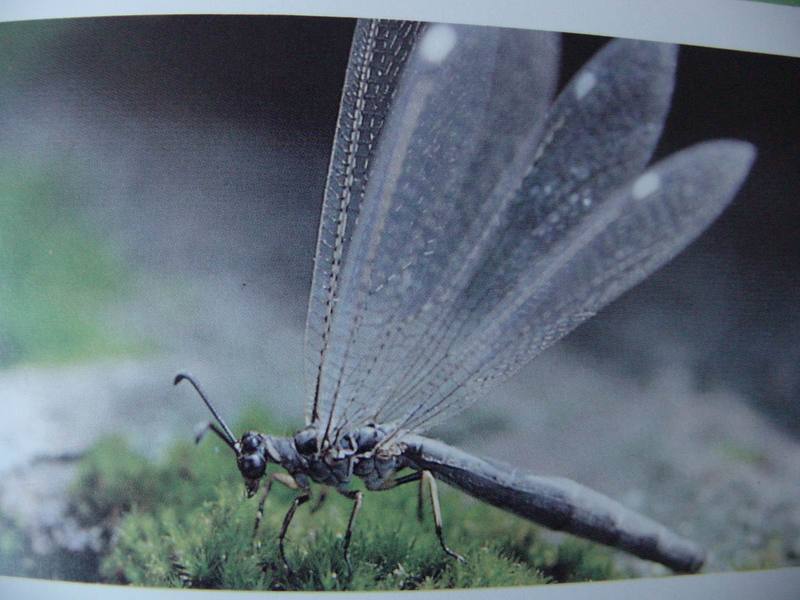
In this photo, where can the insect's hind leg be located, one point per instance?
(420, 498)
(424, 477)
(415, 476)
(427, 476)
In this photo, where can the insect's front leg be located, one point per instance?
(303, 497)
(283, 478)
(260, 512)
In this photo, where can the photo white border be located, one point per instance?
(778, 584)
(733, 24)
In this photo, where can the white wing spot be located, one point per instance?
(584, 84)
(437, 43)
(645, 185)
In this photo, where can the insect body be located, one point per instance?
(555, 502)
(468, 224)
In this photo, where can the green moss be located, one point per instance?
(190, 524)
(210, 545)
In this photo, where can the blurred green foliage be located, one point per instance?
(184, 521)
(57, 276)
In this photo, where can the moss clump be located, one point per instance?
(185, 522)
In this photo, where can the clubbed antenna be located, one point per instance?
(225, 433)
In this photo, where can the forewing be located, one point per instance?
(460, 86)
(377, 56)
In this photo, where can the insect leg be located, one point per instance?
(283, 478)
(427, 476)
(318, 504)
(357, 497)
(301, 498)
(261, 502)
(415, 476)
(423, 477)
(420, 497)
(288, 481)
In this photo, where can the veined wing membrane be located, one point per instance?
(449, 278)
(379, 51)
(520, 88)
(413, 212)
(642, 226)
(600, 132)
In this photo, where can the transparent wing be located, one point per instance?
(600, 132)
(378, 53)
(445, 110)
(486, 234)
(641, 227)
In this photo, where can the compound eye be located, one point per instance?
(250, 442)
(252, 466)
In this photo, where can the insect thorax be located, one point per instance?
(356, 453)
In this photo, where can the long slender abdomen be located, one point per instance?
(556, 503)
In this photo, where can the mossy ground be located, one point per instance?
(184, 521)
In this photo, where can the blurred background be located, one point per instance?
(160, 187)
